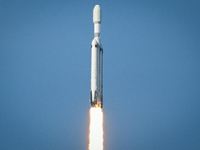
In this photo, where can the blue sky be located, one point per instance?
(151, 74)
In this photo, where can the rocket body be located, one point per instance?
(96, 93)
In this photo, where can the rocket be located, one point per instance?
(96, 93)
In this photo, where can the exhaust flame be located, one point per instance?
(96, 129)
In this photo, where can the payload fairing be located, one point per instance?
(96, 93)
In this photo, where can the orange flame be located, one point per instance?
(96, 129)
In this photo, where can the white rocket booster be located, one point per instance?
(96, 93)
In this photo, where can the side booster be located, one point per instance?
(96, 93)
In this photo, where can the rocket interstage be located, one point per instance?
(96, 93)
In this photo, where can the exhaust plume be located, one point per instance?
(96, 129)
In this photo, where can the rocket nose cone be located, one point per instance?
(97, 7)
(97, 14)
